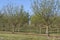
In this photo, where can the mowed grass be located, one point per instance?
(24, 36)
(21, 37)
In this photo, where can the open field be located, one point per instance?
(20, 36)
(23, 36)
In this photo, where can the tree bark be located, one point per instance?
(47, 32)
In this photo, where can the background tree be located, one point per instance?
(46, 11)
(13, 18)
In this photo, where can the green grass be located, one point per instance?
(22, 37)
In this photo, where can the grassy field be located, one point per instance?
(20, 36)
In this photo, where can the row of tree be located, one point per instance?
(12, 19)
(45, 17)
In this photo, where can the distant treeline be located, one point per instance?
(45, 18)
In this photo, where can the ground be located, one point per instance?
(20, 37)
(23, 36)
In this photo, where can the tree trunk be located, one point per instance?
(47, 32)
(13, 29)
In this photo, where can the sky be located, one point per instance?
(25, 3)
